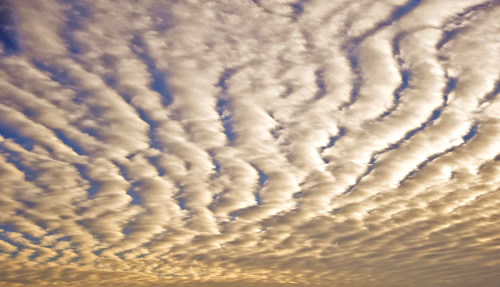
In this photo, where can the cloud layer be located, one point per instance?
(250, 143)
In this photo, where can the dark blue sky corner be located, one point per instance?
(10, 43)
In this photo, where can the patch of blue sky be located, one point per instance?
(126, 231)
(227, 124)
(211, 206)
(258, 199)
(336, 211)
(136, 199)
(27, 205)
(405, 83)
(424, 163)
(262, 177)
(34, 255)
(11, 132)
(332, 142)
(351, 46)
(262, 180)
(436, 113)
(65, 238)
(31, 238)
(471, 133)
(56, 74)
(75, 12)
(451, 84)
(154, 161)
(8, 228)
(76, 259)
(9, 38)
(398, 13)
(448, 35)
(298, 7)
(335, 138)
(99, 251)
(153, 141)
(222, 83)
(69, 142)
(216, 164)
(159, 82)
(233, 215)
(360, 178)
(94, 185)
(30, 174)
(181, 202)
(223, 106)
(467, 137)
(493, 94)
(351, 49)
(276, 132)
(320, 83)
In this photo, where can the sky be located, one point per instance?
(244, 143)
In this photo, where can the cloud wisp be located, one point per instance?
(250, 143)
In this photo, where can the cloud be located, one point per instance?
(269, 143)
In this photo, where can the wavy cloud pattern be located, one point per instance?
(250, 143)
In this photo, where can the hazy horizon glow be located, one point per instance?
(250, 143)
